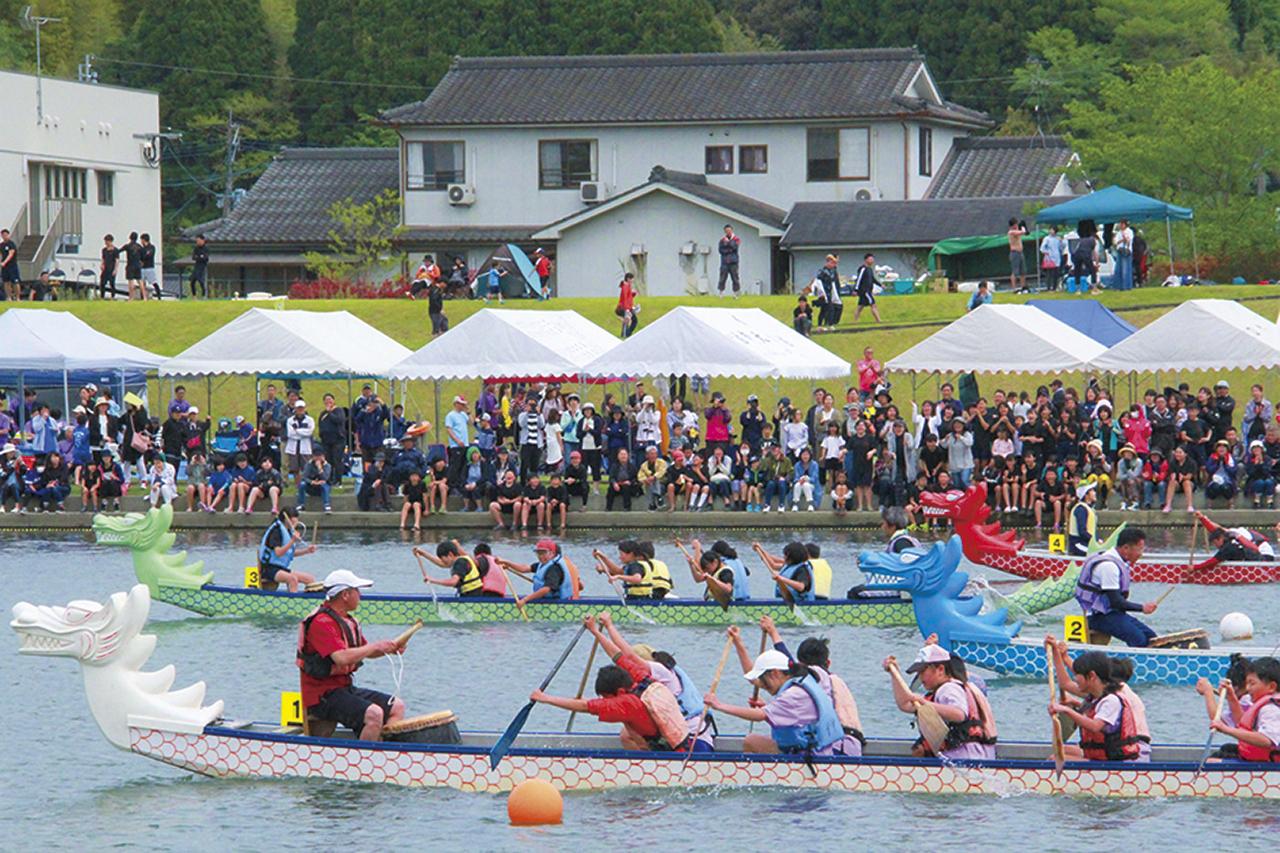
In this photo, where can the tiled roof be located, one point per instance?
(466, 234)
(289, 203)
(978, 167)
(923, 222)
(794, 86)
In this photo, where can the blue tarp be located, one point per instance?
(1088, 317)
(1110, 205)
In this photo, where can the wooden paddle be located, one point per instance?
(702, 715)
(718, 594)
(1059, 750)
(524, 614)
(1191, 561)
(755, 694)
(582, 685)
(932, 727)
(1208, 742)
(431, 588)
(408, 632)
(503, 744)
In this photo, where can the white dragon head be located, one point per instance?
(107, 641)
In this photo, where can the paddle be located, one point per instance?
(1208, 742)
(408, 632)
(1059, 751)
(582, 685)
(755, 694)
(1191, 561)
(702, 715)
(435, 602)
(718, 593)
(503, 744)
(622, 595)
(932, 727)
(524, 614)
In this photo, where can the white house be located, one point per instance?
(87, 164)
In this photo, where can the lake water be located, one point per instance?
(66, 788)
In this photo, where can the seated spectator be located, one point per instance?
(534, 496)
(622, 479)
(806, 482)
(90, 478)
(675, 482)
(486, 437)
(113, 484)
(268, 483)
(1096, 468)
(1183, 476)
(557, 500)
(242, 479)
(407, 460)
(698, 484)
(883, 485)
(802, 316)
(197, 481)
(316, 479)
(911, 500)
(1129, 478)
(219, 486)
(415, 500)
(437, 480)
(745, 487)
(775, 475)
(650, 474)
(1155, 476)
(841, 494)
(375, 491)
(720, 477)
(1221, 468)
(575, 478)
(1259, 476)
(162, 482)
(507, 500)
(477, 479)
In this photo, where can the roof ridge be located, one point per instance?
(651, 59)
(341, 152)
(1027, 142)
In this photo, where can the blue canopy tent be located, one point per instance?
(1089, 317)
(1111, 204)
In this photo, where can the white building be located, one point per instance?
(89, 166)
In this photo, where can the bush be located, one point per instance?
(336, 288)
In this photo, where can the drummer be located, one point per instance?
(1103, 591)
(971, 724)
(1082, 522)
(278, 549)
(330, 648)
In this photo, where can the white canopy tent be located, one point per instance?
(1002, 339)
(1200, 334)
(743, 342)
(290, 342)
(510, 345)
(36, 342)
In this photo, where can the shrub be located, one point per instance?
(336, 288)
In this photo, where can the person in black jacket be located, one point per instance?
(864, 287)
(729, 247)
(200, 267)
(173, 438)
(622, 481)
(332, 427)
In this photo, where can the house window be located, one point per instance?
(839, 153)
(62, 182)
(719, 159)
(106, 188)
(926, 151)
(435, 165)
(564, 164)
(753, 159)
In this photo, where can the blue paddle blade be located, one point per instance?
(503, 744)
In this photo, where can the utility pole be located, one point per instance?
(29, 21)
(233, 147)
(85, 72)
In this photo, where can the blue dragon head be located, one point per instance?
(932, 577)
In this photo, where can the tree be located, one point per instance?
(1244, 15)
(362, 240)
(1165, 31)
(1060, 70)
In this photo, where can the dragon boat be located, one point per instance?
(173, 580)
(997, 647)
(988, 545)
(137, 712)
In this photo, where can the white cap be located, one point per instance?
(928, 656)
(647, 401)
(341, 580)
(771, 659)
(194, 410)
(1085, 488)
(8, 448)
(300, 404)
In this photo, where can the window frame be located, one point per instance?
(720, 150)
(593, 148)
(104, 177)
(743, 170)
(839, 176)
(434, 185)
(924, 153)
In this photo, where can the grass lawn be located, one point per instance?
(169, 327)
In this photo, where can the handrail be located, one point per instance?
(20, 224)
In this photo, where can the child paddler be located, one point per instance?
(720, 569)
(971, 725)
(642, 575)
(1258, 729)
(1108, 722)
(1121, 671)
(801, 716)
(792, 572)
(472, 576)
(650, 715)
(554, 576)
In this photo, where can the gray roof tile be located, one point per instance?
(978, 167)
(559, 90)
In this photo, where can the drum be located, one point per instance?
(440, 727)
(1192, 638)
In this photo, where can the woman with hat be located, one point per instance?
(103, 426)
(971, 725)
(1259, 481)
(1221, 469)
(1129, 478)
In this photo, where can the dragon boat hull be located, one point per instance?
(1038, 564)
(1025, 658)
(590, 762)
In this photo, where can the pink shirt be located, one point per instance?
(869, 371)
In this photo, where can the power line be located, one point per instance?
(221, 73)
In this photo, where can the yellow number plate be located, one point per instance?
(1075, 629)
(251, 578)
(290, 708)
(1058, 543)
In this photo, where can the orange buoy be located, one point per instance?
(535, 802)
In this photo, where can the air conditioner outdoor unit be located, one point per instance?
(593, 192)
(867, 194)
(461, 195)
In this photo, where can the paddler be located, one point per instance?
(1234, 545)
(801, 716)
(1258, 730)
(642, 575)
(971, 725)
(554, 577)
(893, 521)
(815, 653)
(1108, 722)
(1235, 685)
(1122, 672)
(650, 715)
(792, 570)
(471, 576)
(719, 568)
(330, 648)
(278, 549)
(1082, 521)
(1103, 591)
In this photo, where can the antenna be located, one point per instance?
(29, 22)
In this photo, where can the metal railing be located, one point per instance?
(65, 218)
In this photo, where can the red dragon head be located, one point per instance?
(968, 512)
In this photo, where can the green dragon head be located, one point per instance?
(148, 537)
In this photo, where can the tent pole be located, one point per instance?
(1195, 252)
(208, 396)
(22, 403)
(66, 395)
(436, 383)
(1168, 228)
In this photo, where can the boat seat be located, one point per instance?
(316, 727)
(1098, 638)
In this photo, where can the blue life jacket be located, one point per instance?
(789, 572)
(1092, 598)
(690, 697)
(267, 555)
(565, 592)
(811, 737)
(741, 588)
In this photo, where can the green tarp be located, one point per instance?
(965, 245)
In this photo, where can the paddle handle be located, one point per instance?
(524, 614)
(409, 632)
(755, 694)
(702, 715)
(898, 679)
(582, 685)
(1191, 560)
(1222, 703)
(564, 656)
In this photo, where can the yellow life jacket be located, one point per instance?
(821, 577)
(471, 582)
(656, 576)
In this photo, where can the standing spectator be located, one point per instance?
(369, 421)
(435, 309)
(719, 421)
(273, 405)
(648, 424)
(333, 437)
(197, 438)
(542, 266)
(457, 431)
(1141, 258)
(298, 432)
(570, 421)
(730, 245)
(1084, 259)
(9, 273)
(532, 437)
(1053, 258)
(1017, 267)
(959, 445)
(864, 286)
(980, 297)
(753, 421)
(493, 283)
(147, 264)
(1223, 407)
(173, 437)
(828, 278)
(107, 271)
(1258, 413)
(133, 267)
(315, 480)
(1122, 248)
(870, 372)
(590, 436)
(199, 267)
(179, 403)
(626, 308)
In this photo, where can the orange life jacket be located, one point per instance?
(1249, 721)
(664, 710)
(1123, 744)
(494, 581)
